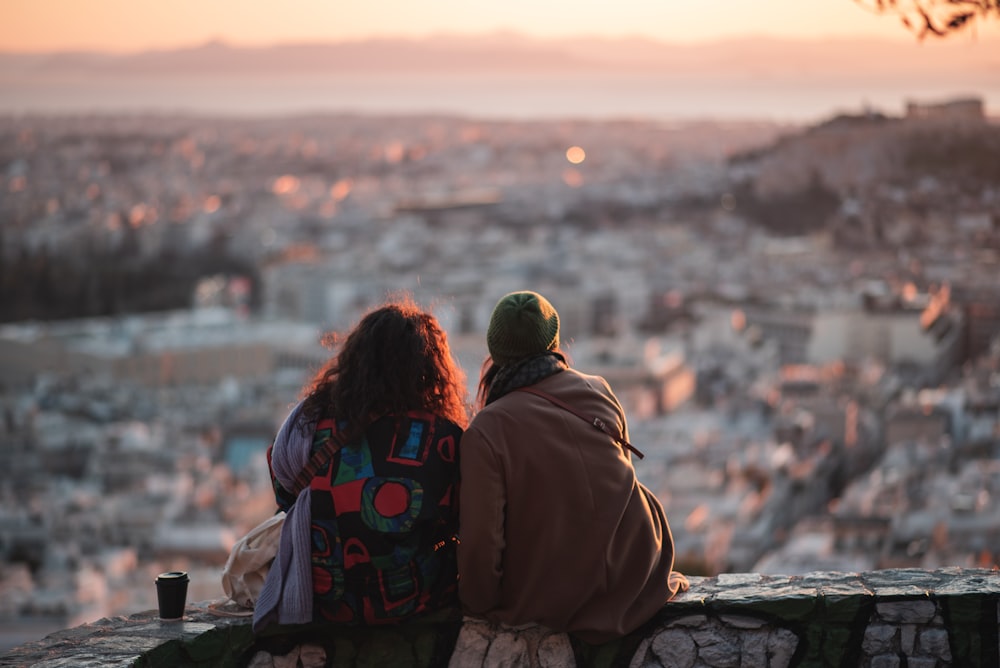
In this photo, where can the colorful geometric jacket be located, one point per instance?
(384, 520)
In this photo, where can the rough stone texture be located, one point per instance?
(878, 638)
(261, 660)
(675, 647)
(555, 651)
(691, 621)
(907, 638)
(312, 656)
(141, 640)
(753, 648)
(883, 619)
(918, 662)
(290, 660)
(781, 646)
(742, 622)
(470, 649)
(736, 579)
(885, 661)
(718, 646)
(494, 646)
(303, 656)
(906, 612)
(727, 641)
(508, 650)
(934, 642)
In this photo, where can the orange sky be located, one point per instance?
(132, 25)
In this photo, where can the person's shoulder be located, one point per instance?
(578, 383)
(498, 413)
(584, 375)
(571, 376)
(438, 421)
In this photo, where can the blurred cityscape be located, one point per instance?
(803, 323)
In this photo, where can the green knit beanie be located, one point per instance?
(523, 324)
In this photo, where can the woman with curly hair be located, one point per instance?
(370, 539)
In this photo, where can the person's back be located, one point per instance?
(555, 528)
(384, 516)
(585, 548)
(371, 537)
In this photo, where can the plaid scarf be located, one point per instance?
(524, 373)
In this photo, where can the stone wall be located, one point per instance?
(881, 619)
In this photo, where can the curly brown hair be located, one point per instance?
(395, 360)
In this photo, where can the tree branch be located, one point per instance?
(935, 17)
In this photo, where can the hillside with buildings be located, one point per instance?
(877, 180)
(821, 397)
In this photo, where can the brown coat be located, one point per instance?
(554, 527)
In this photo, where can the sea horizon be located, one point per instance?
(617, 96)
(516, 79)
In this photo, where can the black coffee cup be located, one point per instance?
(171, 594)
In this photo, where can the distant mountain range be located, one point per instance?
(510, 52)
(856, 70)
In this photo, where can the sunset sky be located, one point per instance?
(134, 25)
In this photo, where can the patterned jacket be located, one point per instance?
(384, 520)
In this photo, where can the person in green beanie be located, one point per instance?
(555, 529)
